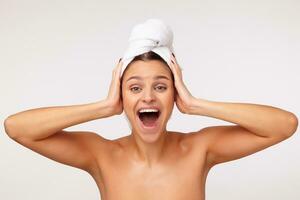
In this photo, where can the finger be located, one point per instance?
(115, 82)
(176, 71)
(120, 64)
(117, 69)
(173, 59)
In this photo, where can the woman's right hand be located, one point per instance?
(113, 99)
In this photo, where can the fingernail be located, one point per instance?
(120, 59)
(173, 54)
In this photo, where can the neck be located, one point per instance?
(150, 153)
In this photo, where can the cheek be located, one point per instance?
(128, 103)
(171, 94)
(168, 100)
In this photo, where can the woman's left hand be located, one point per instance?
(183, 98)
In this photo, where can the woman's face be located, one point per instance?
(148, 84)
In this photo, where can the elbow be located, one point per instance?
(292, 125)
(9, 127)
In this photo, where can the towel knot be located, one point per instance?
(152, 35)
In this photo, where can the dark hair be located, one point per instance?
(147, 57)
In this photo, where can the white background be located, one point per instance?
(55, 53)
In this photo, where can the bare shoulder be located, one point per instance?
(190, 142)
(198, 143)
(103, 150)
(101, 145)
(194, 149)
(196, 139)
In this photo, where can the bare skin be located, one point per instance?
(143, 165)
(179, 174)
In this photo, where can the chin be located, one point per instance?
(149, 139)
(149, 132)
(149, 136)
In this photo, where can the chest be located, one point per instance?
(181, 176)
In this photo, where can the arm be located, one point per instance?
(40, 123)
(262, 120)
(258, 126)
(41, 129)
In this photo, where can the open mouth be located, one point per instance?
(148, 116)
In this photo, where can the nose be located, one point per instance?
(148, 96)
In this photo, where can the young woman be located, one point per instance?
(151, 162)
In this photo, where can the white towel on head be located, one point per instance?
(152, 35)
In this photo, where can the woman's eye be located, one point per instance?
(161, 88)
(134, 89)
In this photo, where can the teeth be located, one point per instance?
(148, 110)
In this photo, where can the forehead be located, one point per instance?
(147, 69)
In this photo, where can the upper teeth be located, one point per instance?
(148, 110)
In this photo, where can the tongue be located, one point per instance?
(149, 119)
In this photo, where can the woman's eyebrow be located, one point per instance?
(155, 78)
